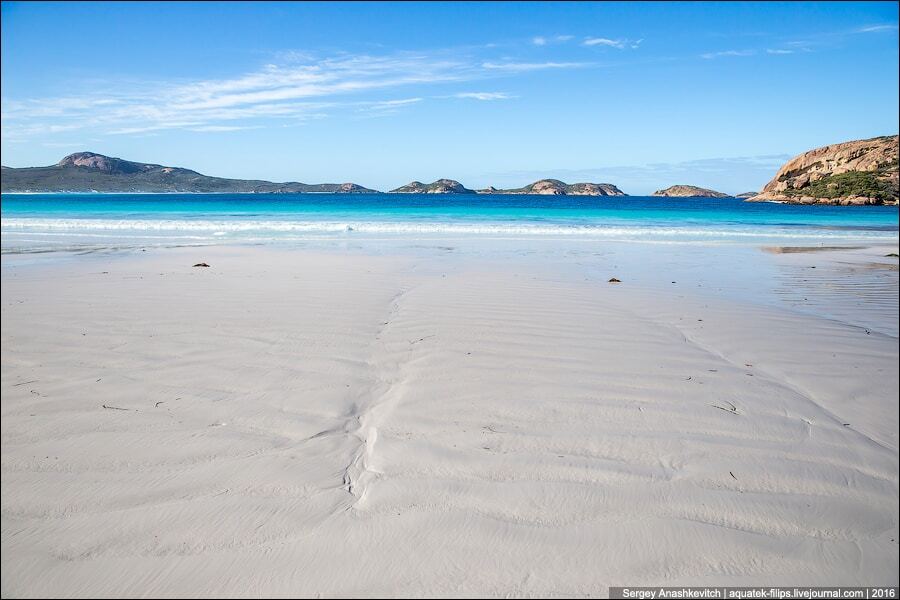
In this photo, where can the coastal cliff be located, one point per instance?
(851, 173)
(689, 191)
(92, 172)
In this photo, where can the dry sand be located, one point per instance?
(292, 423)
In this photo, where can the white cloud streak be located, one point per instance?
(387, 105)
(486, 96)
(619, 44)
(292, 91)
(221, 128)
(877, 28)
(542, 40)
(295, 91)
(724, 53)
(521, 67)
(604, 42)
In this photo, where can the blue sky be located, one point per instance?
(641, 95)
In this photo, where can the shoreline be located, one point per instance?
(474, 193)
(856, 284)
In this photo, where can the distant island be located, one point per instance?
(860, 172)
(555, 187)
(544, 187)
(746, 194)
(92, 172)
(441, 186)
(689, 191)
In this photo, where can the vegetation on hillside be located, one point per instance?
(867, 184)
(155, 180)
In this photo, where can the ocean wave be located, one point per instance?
(220, 228)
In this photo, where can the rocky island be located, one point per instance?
(544, 187)
(851, 173)
(689, 191)
(92, 172)
(441, 186)
(555, 187)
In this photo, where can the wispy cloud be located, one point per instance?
(811, 42)
(293, 91)
(621, 44)
(825, 40)
(877, 28)
(604, 42)
(222, 128)
(519, 67)
(149, 128)
(800, 45)
(388, 104)
(326, 78)
(542, 40)
(386, 107)
(724, 53)
(484, 95)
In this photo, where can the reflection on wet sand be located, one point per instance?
(860, 288)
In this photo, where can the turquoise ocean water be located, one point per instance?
(47, 221)
(707, 245)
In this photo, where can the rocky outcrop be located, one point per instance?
(108, 164)
(352, 188)
(441, 186)
(851, 173)
(689, 191)
(92, 172)
(555, 187)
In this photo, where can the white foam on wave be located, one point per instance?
(222, 227)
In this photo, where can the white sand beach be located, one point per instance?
(316, 423)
